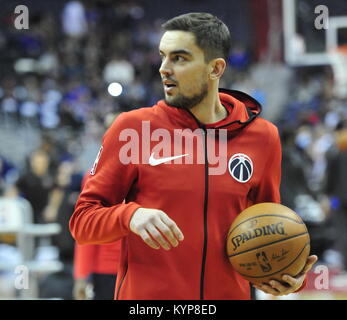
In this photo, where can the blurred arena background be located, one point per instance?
(80, 63)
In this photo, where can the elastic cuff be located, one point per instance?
(130, 210)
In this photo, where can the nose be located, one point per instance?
(165, 68)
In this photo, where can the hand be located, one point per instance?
(49, 214)
(79, 289)
(152, 225)
(291, 284)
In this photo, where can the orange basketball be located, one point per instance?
(266, 241)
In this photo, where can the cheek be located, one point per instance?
(192, 80)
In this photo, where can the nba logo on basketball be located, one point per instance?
(240, 167)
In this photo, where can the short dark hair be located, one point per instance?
(211, 34)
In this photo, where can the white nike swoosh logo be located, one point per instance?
(154, 162)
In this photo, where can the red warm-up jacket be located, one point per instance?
(202, 195)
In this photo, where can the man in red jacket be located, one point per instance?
(185, 167)
(98, 265)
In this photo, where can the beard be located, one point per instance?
(184, 102)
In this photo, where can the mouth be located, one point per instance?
(169, 86)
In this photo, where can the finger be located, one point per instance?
(258, 287)
(166, 231)
(291, 280)
(280, 287)
(311, 260)
(267, 289)
(173, 226)
(158, 237)
(294, 283)
(308, 266)
(148, 240)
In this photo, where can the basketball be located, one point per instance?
(266, 241)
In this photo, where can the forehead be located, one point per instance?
(178, 40)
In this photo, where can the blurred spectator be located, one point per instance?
(294, 166)
(49, 113)
(336, 188)
(36, 182)
(96, 265)
(119, 70)
(74, 19)
(59, 208)
(9, 108)
(8, 175)
(239, 57)
(297, 194)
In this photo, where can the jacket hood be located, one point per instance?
(244, 110)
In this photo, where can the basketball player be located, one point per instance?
(185, 167)
(97, 265)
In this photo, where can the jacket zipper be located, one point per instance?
(204, 252)
(121, 282)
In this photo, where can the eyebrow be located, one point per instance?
(180, 51)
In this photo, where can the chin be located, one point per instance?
(170, 99)
(171, 102)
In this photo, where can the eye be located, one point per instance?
(178, 59)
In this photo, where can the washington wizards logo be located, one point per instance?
(240, 167)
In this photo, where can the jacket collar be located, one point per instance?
(244, 110)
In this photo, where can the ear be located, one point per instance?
(217, 67)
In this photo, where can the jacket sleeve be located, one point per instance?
(269, 187)
(100, 214)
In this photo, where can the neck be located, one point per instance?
(210, 109)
